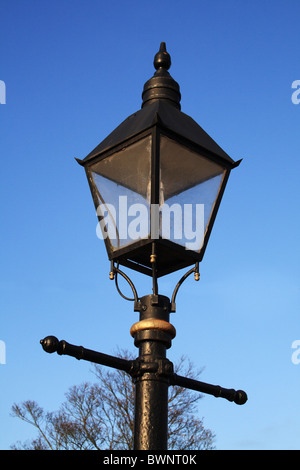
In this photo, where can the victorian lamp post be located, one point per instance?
(157, 182)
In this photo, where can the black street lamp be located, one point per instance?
(157, 182)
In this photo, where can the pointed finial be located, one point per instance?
(162, 86)
(162, 58)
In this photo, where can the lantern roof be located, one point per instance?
(167, 117)
(161, 107)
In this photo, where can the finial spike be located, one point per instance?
(162, 86)
(162, 59)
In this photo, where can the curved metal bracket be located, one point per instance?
(184, 277)
(114, 275)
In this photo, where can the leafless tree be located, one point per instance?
(100, 416)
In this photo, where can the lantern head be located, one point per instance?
(157, 179)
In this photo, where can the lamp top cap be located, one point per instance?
(162, 58)
(162, 86)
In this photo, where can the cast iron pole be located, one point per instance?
(152, 335)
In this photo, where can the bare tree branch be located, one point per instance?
(101, 415)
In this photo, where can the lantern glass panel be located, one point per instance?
(121, 186)
(189, 187)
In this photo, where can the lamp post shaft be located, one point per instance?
(152, 335)
(151, 409)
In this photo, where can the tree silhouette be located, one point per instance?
(100, 416)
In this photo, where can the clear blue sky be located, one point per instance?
(73, 71)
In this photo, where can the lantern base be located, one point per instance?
(170, 257)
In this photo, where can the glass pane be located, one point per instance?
(190, 185)
(121, 186)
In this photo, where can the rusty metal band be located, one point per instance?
(153, 324)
